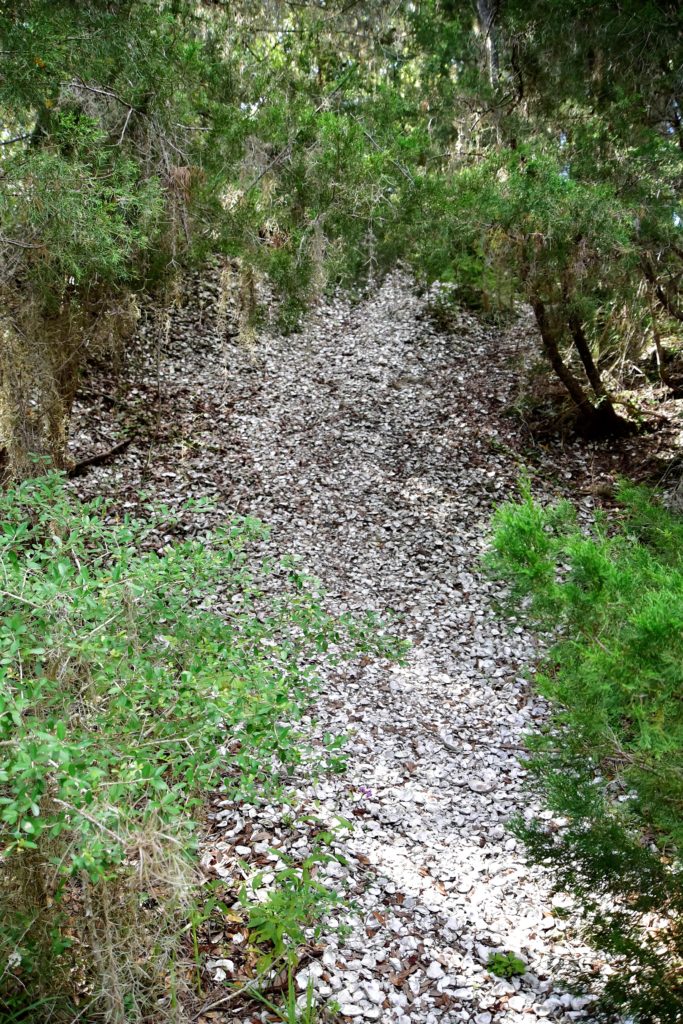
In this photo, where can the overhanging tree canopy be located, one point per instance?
(525, 150)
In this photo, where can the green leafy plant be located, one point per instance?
(296, 903)
(128, 690)
(506, 965)
(291, 1011)
(610, 761)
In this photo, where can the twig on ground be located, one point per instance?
(100, 458)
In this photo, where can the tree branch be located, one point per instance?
(100, 458)
(664, 300)
(17, 138)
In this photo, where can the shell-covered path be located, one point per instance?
(371, 445)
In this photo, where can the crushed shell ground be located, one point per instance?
(375, 447)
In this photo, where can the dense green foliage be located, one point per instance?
(611, 758)
(136, 140)
(556, 177)
(133, 682)
(522, 151)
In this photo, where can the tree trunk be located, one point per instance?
(668, 304)
(595, 420)
(486, 12)
(586, 356)
(605, 405)
(37, 388)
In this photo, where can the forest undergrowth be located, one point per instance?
(609, 760)
(97, 830)
(136, 680)
(523, 160)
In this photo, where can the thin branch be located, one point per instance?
(18, 597)
(125, 126)
(17, 138)
(98, 91)
(21, 245)
(244, 990)
(404, 170)
(88, 817)
(101, 457)
(191, 127)
(667, 303)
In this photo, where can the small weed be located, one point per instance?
(506, 965)
(562, 913)
(292, 1012)
(296, 903)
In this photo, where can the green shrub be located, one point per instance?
(611, 757)
(125, 696)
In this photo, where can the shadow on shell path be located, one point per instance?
(375, 448)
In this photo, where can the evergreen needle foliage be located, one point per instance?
(526, 151)
(611, 758)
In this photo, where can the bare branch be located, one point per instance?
(17, 138)
(404, 170)
(125, 126)
(21, 245)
